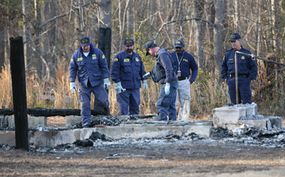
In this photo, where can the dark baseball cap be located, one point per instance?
(179, 43)
(234, 37)
(148, 45)
(129, 42)
(85, 41)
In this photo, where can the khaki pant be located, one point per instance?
(183, 100)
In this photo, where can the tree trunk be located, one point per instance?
(236, 15)
(37, 62)
(200, 31)
(211, 19)
(219, 35)
(258, 29)
(25, 32)
(273, 22)
(48, 42)
(130, 19)
(2, 48)
(77, 27)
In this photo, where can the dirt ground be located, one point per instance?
(170, 158)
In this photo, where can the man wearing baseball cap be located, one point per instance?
(238, 74)
(127, 73)
(187, 71)
(89, 65)
(164, 74)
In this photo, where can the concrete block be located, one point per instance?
(51, 138)
(201, 128)
(72, 120)
(3, 121)
(137, 131)
(260, 123)
(227, 115)
(33, 122)
(276, 122)
(251, 109)
(8, 138)
(236, 129)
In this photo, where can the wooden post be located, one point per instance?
(104, 43)
(17, 64)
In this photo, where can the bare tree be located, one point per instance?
(24, 31)
(220, 9)
(200, 31)
(130, 19)
(236, 15)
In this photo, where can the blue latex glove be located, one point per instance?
(119, 88)
(72, 87)
(145, 85)
(167, 89)
(107, 83)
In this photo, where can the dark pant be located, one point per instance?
(101, 97)
(166, 103)
(244, 91)
(129, 101)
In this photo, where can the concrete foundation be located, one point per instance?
(235, 118)
(152, 129)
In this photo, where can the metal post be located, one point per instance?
(17, 64)
(236, 78)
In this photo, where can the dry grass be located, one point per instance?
(5, 88)
(55, 93)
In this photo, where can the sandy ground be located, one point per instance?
(170, 158)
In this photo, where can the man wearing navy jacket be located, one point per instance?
(245, 72)
(89, 65)
(127, 73)
(187, 70)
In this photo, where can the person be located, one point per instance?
(89, 65)
(164, 74)
(127, 73)
(185, 63)
(245, 71)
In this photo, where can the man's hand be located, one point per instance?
(107, 83)
(119, 88)
(146, 75)
(192, 81)
(72, 87)
(145, 85)
(167, 89)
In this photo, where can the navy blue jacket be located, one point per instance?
(187, 63)
(163, 70)
(246, 64)
(128, 69)
(93, 67)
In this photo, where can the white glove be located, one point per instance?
(167, 89)
(119, 88)
(72, 87)
(145, 85)
(107, 83)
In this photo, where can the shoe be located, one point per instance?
(157, 118)
(87, 125)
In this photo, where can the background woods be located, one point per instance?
(51, 29)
